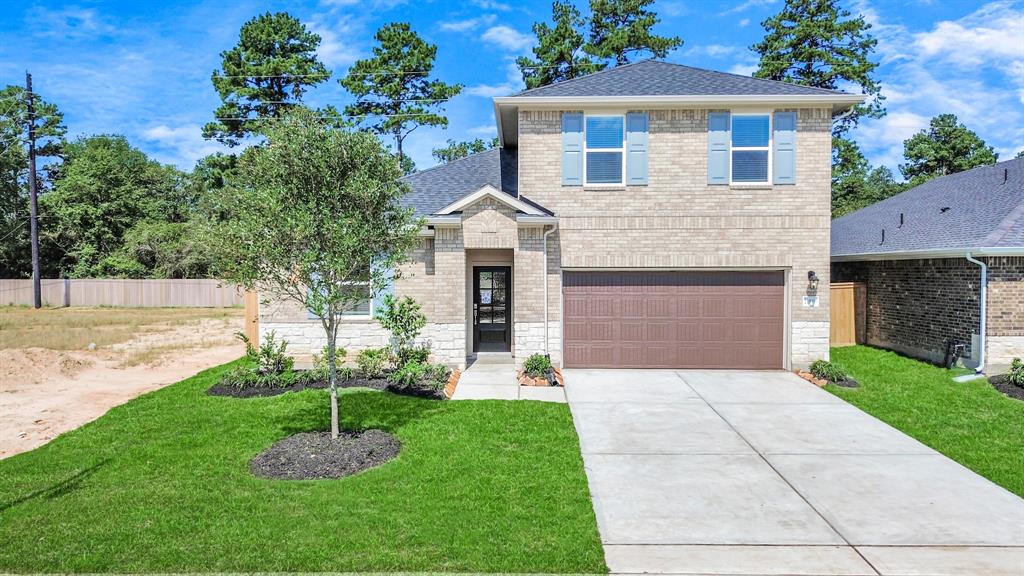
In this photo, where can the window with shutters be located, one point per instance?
(604, 142)
(363, 307)
(751, 148)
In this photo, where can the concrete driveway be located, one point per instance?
(738, 472)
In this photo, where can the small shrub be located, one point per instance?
(270, 357)
(438, 375)
(403, 318)
(320, 360)
(1016, 374)
(250, 377)
(826, 370)
(346, 373)
(408, 354)
(371, 362)
(411, 374)
(537, 365)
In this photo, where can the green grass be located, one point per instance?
(161, 484)
(970, 422)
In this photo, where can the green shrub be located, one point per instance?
(403, 318)
(320, 360)
(371, 362)
(346, 373)
(433, 376)
(1016, 374)
(408, 354)
(438, 375)
(250, 377)
(826, 370)
(270, 357)
(537, 365)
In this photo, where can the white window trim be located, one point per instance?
(621, 150)
(771, 143)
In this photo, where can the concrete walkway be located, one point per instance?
(493, 380)
(732, 472)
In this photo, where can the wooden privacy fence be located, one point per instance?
(200, 293)
(848, 313)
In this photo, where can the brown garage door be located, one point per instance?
(718, 319)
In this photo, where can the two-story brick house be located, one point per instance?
(651, 215)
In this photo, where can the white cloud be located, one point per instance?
(743, 23)
(180, 145)
(747, 5)
(69, 22)
(513, 83)
(492, 5)
(993, 32)
(673, 8)
(467, 24)
(336, 45)
(715, 50)
(743, 69)
(508, 38)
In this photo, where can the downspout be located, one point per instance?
(547, 351)
(982, 294)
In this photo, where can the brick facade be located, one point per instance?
(916, 306)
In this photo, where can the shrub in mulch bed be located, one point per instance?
(846, 382)
(1002, 383)
(315, 455)
(228, 389)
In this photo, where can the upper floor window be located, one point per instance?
(751, 148)
(603, 158)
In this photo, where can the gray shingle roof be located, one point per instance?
(655, 78)
(984, 211)
(437, 187)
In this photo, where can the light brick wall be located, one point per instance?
(679, 221)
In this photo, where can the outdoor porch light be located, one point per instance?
(812, 283)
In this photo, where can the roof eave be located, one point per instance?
(838, 101)
(930, 253)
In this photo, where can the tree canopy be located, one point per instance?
(315, 218)
(394, 91)
(946, 147)
(618, 30)
(855, 184)
(264, 75)
(817, 43)
(455, 150)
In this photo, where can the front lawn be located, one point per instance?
(968, 421)
(162, 484)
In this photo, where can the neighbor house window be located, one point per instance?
(363, 307)
(603, 146)
(751, 145)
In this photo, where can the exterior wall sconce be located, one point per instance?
(812, 283)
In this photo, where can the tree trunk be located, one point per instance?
(332, 369)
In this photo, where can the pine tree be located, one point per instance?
(455, 150)
(946, 147)
(558, 54)
(619, 28)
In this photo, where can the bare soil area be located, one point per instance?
(52, 382)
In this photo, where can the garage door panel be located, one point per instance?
(712, 319)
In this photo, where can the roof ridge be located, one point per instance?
(444, 164)
(828, 90)
(1011, 219)
(591, 75)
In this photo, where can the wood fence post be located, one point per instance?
(252, 317)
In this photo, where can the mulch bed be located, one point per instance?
(999, 382)
(314, 455)
(848, 383)
(224, 389)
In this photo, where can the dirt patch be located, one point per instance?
(224, 389)
(315, 455)
(999, 382)
(46, 392)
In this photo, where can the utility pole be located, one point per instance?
(37, 295)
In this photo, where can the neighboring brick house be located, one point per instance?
(923, 291)
(671, 215)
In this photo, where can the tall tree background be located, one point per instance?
(455, 150)
(618, 32)
(395, 93)
(264, 75)
(945, 147)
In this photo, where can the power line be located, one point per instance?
(338, 117)
(373, 73)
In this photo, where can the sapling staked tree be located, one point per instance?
(315, 219)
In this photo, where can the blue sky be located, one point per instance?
(142, 68)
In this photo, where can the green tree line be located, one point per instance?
(108, 210)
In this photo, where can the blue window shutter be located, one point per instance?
(636, 148)
(718, 148)
(784, 148)
(388, 289)
(572, 148)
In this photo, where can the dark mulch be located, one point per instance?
(999, 382)
(313, 455)
(226, 389)
(848, 383)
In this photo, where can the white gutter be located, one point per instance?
(544, 268)
(531, 219)
(690, 100)
(981, 294)
(930, 253)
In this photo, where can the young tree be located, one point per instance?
(455, 150)
(816, 43)
(558, 54)
(264, 75)
(619, 28)
(15, 261)
(315, 218)
(395, 92)
(946, 147)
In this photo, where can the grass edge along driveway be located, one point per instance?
(970, 422)
(161, 484)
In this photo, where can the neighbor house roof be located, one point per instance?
(979, 210)
(654, 78)
(434, 188)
